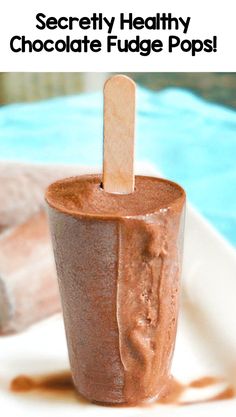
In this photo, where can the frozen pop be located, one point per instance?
(28, 284)
(118, 258)
(23, 186)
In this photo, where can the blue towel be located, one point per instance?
(188, 139)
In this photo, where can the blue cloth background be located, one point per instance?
(188, 139)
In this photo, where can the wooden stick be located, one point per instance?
(119, 122)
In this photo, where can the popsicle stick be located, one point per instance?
(119, 125)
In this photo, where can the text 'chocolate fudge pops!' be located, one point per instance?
(117, 242)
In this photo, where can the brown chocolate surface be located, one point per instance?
(118, 261)
(85, 195)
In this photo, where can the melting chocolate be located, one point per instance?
(205, 381)
(61, 384)
(118, 261)
(52, 382)
(58, 384)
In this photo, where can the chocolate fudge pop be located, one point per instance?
(118, 259)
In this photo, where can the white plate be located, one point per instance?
(206, 340)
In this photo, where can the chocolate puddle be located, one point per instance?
(205, 381)
(176, 389)
(227, 394)
(60, 384)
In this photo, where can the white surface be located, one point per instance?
(206, 340)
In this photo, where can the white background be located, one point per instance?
(208, 18)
